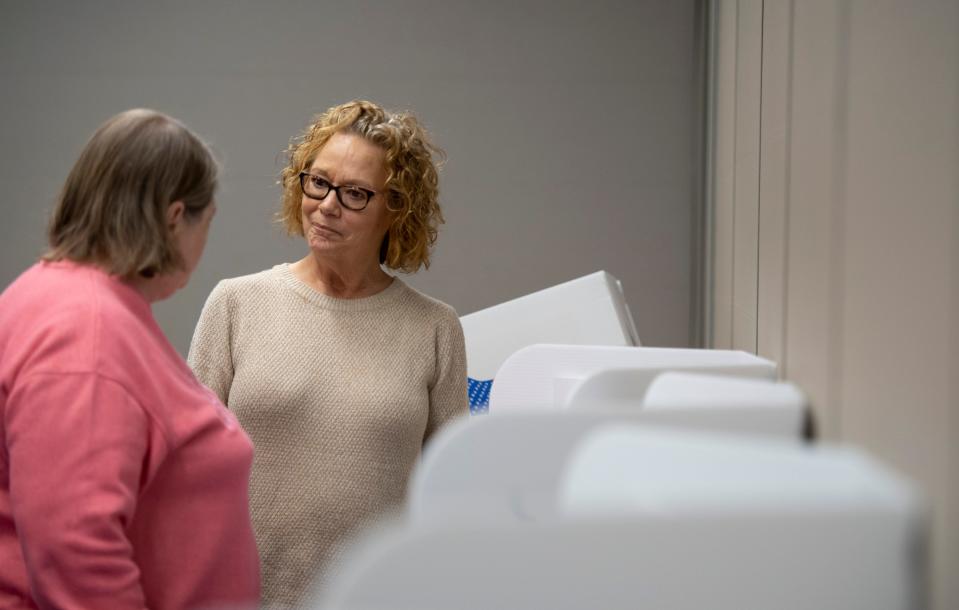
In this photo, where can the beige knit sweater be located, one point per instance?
(338, 396)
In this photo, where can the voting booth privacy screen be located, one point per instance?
(590, 310)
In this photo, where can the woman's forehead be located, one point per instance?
(351, 149)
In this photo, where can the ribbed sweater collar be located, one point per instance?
(388, 295)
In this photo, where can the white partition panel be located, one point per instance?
(587, 310)
(778, 407)
(625, 470)
(677, 389)
(509, 467)
(544, 376)
(789, 560)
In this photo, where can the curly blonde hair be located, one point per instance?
(412, 179)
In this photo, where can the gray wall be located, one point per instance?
(570, 129)
(849, 278)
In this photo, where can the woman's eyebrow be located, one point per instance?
(348, 182)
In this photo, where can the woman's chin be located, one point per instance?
(325, 247)
(319, 243)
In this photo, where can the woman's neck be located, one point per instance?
(156, 288)
(340, 281)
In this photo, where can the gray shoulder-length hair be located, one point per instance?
(112, 209)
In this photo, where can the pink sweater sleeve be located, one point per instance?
(78, 445)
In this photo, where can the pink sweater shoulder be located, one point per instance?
(123, 480)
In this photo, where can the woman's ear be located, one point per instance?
(174, 214)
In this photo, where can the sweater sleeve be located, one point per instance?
(77, 445)
(211, 354)
(448, 395)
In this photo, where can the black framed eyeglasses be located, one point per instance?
(350, 197)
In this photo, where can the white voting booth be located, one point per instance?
(509, 467)
(676, 389)
(667, 519)
(548, 377)
(615, 476)
(618, 469)
(590, 310)
(536, 351)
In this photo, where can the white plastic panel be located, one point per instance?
(545, 376)
(588, 310)
(788, 561)
(510, 467)
(625, 470)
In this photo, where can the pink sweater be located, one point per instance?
(123, 480)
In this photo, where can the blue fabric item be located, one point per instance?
(479, 394)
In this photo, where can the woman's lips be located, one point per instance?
(325, 230)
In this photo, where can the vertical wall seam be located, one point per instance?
(709, 180)
(759, 173)
(787, 192)
(837, 291)
(732, 241)
(699, 256)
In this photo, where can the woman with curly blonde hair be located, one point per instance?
(338, 370)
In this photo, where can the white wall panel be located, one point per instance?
(857, 279)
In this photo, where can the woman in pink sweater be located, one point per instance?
(123, 480)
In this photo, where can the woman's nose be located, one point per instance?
(329, 204)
